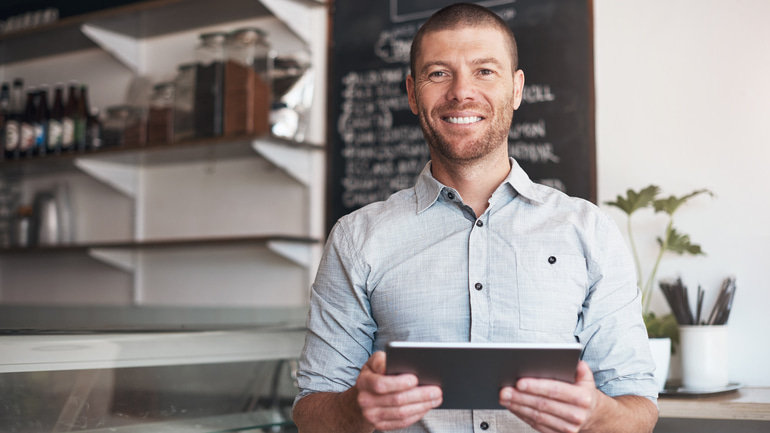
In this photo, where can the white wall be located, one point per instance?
(682, 91)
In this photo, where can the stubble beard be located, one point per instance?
(467, 150)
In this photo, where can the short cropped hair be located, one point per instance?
(461, 15)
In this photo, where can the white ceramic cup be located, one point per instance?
(704, 357)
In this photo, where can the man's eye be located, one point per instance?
(437, 74)
(486, 72)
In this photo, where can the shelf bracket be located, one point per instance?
(125, 48)
(297, 252)
(298, 16)
(295, 161)
(119, 176)
(122, 259)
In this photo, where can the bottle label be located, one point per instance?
(27, 137)
(68, 132)
(11, 135)
(39, 135)
(55, 133)
(80, 131)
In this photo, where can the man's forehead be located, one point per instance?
(487, 41)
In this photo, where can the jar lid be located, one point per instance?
(254, 32)
(213, 36)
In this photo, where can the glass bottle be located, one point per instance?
(70, 116)
(94, 130)
(13, 122)
(27, 130)
(81, 120)
(5, 111)
(209, 85)
(42, 115)
(55, 128)
(184, 102)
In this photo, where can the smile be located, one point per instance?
(463, 120)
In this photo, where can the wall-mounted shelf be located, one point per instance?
(288, 155)
(140, 20)
(121, 254)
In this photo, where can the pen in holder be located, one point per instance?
(703, 339)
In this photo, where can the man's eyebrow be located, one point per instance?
(486, 60)
(475, 62)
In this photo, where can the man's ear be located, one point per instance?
(518, 88)
(411, 93)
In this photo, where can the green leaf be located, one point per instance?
(662, 327)
(635, 200)
(671, 204)
(680, 244)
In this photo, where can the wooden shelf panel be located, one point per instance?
(220, 148)
(160, 244)
(141, 20)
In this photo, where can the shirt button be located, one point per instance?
(479, 223)
(552, 260)
(450, 196)
(479, 286)
(484, 425)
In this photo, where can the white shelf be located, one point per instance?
(56, 352)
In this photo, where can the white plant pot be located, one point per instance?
(661, 354)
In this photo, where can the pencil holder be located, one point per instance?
(704, 357)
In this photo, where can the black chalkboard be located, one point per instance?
(376, 146)
(66, 8)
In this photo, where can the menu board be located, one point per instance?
(65, 8)
(376, 146)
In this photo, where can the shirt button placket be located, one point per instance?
(478, 270)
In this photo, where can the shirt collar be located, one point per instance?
(428, 188)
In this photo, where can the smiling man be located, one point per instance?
(474, 252)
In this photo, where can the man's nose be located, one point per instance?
(461, 88)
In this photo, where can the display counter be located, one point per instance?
(151, 381)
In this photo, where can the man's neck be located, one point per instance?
(475, 181)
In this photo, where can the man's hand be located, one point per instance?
(553, 406)
(392, 402)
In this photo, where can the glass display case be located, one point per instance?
(150, 381)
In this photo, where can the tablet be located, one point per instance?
(472, 374)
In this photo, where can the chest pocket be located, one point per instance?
(551, 290)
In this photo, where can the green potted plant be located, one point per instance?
(664, 326)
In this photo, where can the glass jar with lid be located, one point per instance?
(211, 47)
(247, 82)
(209, 85)
(249, 46)
(160, 119)
(184, 102)
(123, 126)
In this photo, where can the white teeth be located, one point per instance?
(463, 120)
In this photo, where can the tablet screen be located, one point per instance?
(472, 374)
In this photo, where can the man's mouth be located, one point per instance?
(463, 120)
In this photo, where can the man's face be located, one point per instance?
(464, 91)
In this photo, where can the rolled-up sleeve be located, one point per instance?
(612, 330)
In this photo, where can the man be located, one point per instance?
(474, 252)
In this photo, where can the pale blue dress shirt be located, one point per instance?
(536, 266)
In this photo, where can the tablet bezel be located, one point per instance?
(472, 374)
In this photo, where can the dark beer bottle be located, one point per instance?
(94, 130)
(5, 111)
(13, 122)
(68, 121)
(27, 139)
(81, 120)
(55, 128)
(42, 114)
